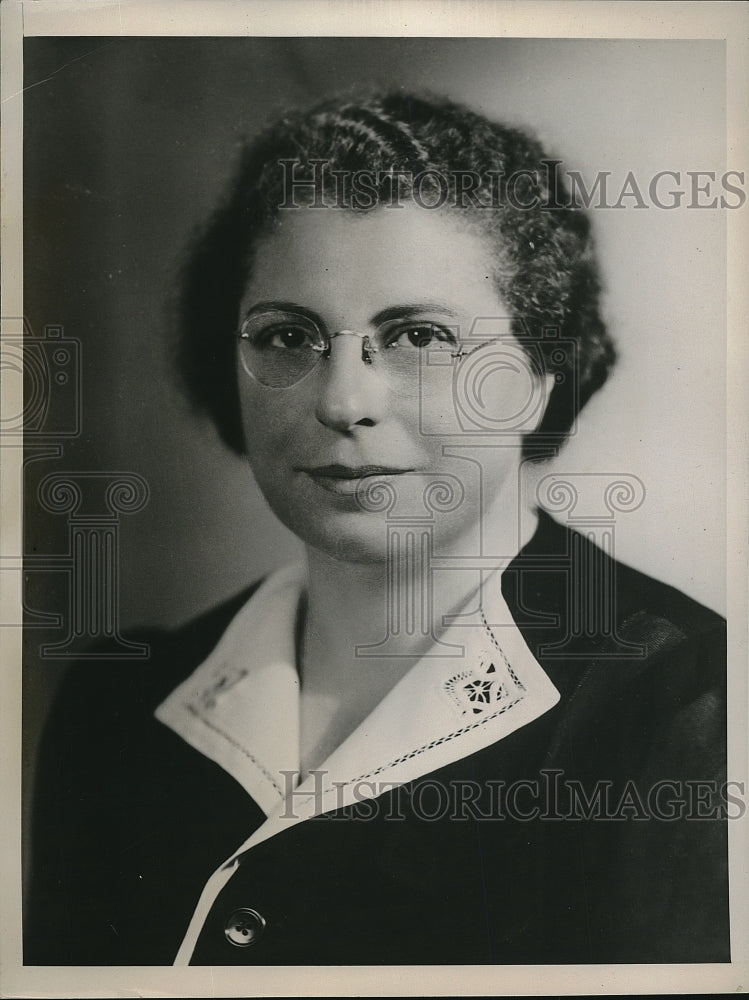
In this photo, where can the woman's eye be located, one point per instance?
(286, 338)
(421, 335)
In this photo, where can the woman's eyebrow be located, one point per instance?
(412, 309)
(281, 306)
(405, 311)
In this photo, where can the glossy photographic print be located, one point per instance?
(379, 496)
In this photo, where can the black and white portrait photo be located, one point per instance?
(374, 438)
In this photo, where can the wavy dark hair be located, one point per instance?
(546, 270)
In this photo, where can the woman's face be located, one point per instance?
(310, 444)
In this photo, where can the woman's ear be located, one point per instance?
(536, 406)
(548, 381)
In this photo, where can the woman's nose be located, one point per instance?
(350, 391)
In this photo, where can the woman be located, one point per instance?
(424, 746)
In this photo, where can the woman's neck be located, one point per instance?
(352, 652)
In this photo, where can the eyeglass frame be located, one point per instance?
(368, 350)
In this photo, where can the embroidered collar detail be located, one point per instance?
(240, 708)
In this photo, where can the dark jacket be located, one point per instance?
(611, 865)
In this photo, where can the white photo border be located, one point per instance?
(500, 18)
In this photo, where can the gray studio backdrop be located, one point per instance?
(129, 141)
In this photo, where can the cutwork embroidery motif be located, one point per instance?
(474, 692)
(224, 680)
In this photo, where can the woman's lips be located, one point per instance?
(345, 480)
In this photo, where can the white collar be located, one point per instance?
(240, 707)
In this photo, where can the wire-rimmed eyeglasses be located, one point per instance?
(279, 348)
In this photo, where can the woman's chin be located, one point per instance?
(364, 542)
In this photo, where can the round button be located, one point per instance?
(244, 927)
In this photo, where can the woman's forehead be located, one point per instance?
(336, 259)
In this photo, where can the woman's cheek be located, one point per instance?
(271, 423)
